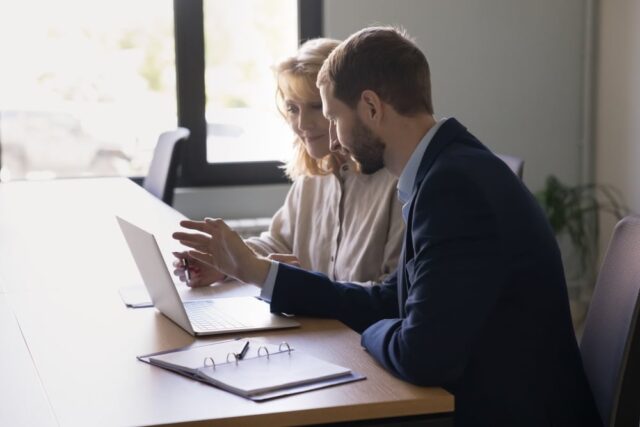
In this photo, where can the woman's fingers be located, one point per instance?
(213, 244)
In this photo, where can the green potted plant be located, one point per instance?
(574, 214)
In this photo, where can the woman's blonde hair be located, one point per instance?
(296, 76)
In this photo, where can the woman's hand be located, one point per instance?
(221, 248)
(200, 274)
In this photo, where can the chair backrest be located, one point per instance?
(161, 179)
(610, 345)
(515, 164)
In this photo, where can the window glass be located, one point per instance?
(243, 40)
(86, 87)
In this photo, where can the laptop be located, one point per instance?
(198, 317)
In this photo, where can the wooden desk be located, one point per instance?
(62, 260)
(22, 399)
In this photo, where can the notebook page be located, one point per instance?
(263, 374)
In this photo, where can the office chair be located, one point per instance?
(610, 344)
(161, 179)
(515, 164)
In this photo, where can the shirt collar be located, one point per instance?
(408, 176)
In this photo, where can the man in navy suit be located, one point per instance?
(478, 304)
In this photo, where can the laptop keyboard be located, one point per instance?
(205, 317)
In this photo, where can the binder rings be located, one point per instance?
(263, 371)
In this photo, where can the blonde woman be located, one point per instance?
(334, 220)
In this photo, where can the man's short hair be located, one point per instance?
(384, 60)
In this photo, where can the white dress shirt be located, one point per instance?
(408, 176)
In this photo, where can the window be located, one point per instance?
(85, 87)
(238, 136)
(242, 123)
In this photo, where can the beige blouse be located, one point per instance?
(349, 228)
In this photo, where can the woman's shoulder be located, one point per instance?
(312, 180)
(384, 175)
(307, 185)
(380, 178)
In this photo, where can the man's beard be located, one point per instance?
(366, 148)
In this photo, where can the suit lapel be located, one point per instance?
(402, 281)
(447, 132)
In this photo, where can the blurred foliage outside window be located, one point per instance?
(87, 87)
(243, 40)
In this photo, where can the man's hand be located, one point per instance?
(221, 248)
(285, 258)
(200, 274)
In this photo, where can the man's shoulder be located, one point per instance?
(466, 156)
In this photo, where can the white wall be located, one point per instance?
(512, 71)
(618, 103)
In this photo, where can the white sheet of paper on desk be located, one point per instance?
(135, 296)
(138, 297)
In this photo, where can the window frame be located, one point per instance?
(190, 87)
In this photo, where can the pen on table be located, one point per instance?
(185, 264)
(243, 352)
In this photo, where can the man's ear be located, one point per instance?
(371, 105)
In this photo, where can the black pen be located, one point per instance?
(243, 352)
(185, 264)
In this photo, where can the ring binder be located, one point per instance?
(284, 343)
(213, 363)
(210, 362)
(263, 348)
(267, 370)
(235, 357)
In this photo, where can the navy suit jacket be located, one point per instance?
(478, 304)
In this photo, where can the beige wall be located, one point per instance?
(512, 71)
(618, 103)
